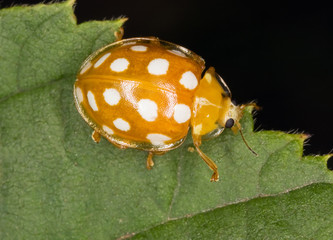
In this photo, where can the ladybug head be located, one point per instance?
(213, 109)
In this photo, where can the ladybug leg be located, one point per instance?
(208, 161)
(96, 136)
(150, 162)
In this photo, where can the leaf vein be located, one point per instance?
(25, 41)
(176, 190)
(25, 90)
(188, 216)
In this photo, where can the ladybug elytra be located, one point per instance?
(145, 93)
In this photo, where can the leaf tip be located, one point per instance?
(70, 2)
(120, 33)
(122, 20)
(251, 107)
(305, 136)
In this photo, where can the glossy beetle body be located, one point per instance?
(145, 93)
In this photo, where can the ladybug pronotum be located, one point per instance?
(145, 93)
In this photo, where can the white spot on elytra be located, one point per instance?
(79, 94)
(101, 60)
(92, 101)
(157, 139)
(119, 65)
(108, 130)
(139, 48)
(182, 113)
(121, 124)
(111, 96)
(158, 66)
(147, 109)
(189, 80)
(86, 67)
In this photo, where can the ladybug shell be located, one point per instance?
(139, 92)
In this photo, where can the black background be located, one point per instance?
(279, 54)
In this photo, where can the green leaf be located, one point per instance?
(56, 183)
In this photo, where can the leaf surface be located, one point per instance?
(56, 183)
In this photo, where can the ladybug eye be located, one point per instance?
(229, 123)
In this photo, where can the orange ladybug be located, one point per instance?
(145, 93)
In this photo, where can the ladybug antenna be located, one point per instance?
(241, 133)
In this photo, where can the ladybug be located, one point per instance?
(145, 93)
